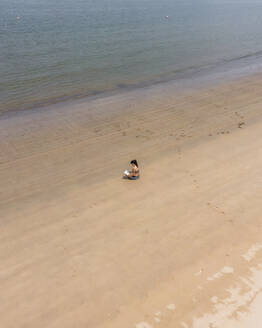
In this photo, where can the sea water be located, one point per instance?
(56, 50)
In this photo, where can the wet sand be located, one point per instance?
(181, 247)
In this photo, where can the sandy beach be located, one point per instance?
(181, 247)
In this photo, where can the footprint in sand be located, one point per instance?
(240, 125)
(237, 114)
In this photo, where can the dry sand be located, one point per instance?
(181, 247)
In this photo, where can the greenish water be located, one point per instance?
(54, 50)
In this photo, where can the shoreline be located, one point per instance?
(80, 246)
(215, 73)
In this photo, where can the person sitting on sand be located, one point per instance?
(134, 173)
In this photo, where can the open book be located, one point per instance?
(126, 172)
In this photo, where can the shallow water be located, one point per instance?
(54, 50)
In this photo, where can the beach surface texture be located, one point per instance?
(180, 247)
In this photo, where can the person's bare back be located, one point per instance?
(134, 174)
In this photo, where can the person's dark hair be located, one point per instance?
(134, 161)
